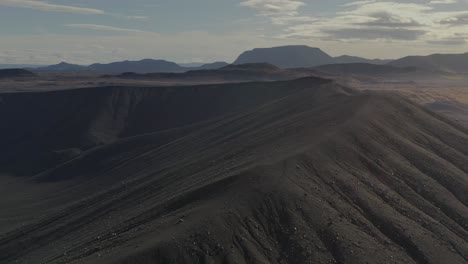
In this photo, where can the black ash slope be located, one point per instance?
(304, 171)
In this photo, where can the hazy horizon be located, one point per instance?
(85, 32)
(200, 63)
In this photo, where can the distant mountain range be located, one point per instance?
(141, 67)
(306, 57)
(230, 73)
(211, 66)
(354, 59)
(61, 67)
(204, 66)
(283, 57)
(364, 69)
(455, 63)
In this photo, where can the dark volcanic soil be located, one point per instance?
(303, 171)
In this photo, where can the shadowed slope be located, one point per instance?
(316, 174)
(46, 128)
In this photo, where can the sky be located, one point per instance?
(186, 31)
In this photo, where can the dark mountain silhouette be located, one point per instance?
(15, 73)
(212, 66)
(204, 66)
(251, 66)
(143, 66)
(230, 73)
(455, 63)
(354, 59)
(62, 67)
(278, 172)
(286, 56)
(191, 64)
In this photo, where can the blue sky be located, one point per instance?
(87, 31)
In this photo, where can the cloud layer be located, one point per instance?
(44, 6)
(39, 5)
(279, 11)
(106, 28)
(369, 20)
(368, 28)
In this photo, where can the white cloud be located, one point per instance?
(107, 28)
(137, 17)
(369, 28)
(443, 2)
(128, 17)
(356, 3)
(274, 7)
(279, 11)
(396, 21)
(44, 6)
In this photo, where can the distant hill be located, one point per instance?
(230, 73)
(456, 63)
(354, 59)
(142, 66)
(203, 66)
(286, 56)
(191, 64)
(62, 67)
(251, 66)
(213, 66)
(15, 73)
(363, 69)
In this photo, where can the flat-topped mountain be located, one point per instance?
(286, 56)
(298, 57)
